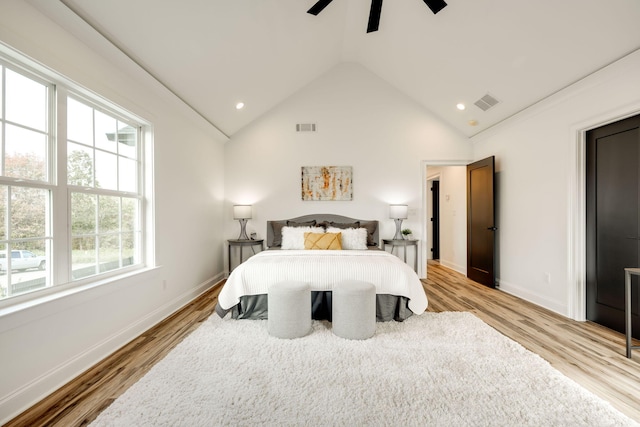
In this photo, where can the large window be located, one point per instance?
(70, 210)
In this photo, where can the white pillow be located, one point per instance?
(293, 237)
(352, 238)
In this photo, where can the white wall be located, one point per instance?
(538, 200)
(362, 122)
(45, 345)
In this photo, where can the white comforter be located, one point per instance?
(321, 269)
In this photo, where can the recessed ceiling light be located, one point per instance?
(239, 105)
(460, 106)
(473, 123)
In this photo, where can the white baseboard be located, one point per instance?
(532, 297)
(462, 269)
(517, 291)
(18, 401)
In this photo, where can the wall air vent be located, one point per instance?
(306, 127)
(486, 102)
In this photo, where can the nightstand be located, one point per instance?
(403, 243)
(241, 243)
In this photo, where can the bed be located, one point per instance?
(399, 292)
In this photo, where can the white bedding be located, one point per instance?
(321, 269)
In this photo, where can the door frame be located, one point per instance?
(577, 210)
(424, 165)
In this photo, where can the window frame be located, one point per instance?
(59, 269)
(139, 195)
(12, 182)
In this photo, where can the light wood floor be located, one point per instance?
(590, 354)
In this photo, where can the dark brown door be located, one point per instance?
(481, 226)
(435, 219)
(613, 221)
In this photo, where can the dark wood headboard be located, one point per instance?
(322, 218)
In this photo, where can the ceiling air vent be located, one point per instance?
(486, 102)
(306, 127)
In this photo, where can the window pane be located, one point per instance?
(26, 101)
(106, 170)
(109, 214)
(129, 251)
(1, 103)
(128, 139)
(3, 211)
(28, 212)
(79, 165)
(83, 257)
(4, 279)
(109, 252)
(79, 122)
(83, 214)
(25, 154)
(28, 267)
(128, 175)
(105, 132)
(129, 214)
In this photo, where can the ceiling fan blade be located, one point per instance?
(435, 5)
(374, 16)
(318, 7)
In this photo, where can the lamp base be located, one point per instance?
(399, 235)
(243, 230)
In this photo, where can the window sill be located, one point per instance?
(18, 310)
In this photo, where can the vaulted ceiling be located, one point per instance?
(216, 53)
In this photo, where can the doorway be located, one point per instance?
(461, 185)
(451, 209)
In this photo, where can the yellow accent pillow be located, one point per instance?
(323, 241)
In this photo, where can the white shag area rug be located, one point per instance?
(442, 369)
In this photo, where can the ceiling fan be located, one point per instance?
(376, 8)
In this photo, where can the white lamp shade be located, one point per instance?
(398, 211)
(241, 211)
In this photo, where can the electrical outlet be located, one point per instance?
(547, 277)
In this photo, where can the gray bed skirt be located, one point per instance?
(388, 307)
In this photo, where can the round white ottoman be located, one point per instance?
(289, 309)
(354, 309)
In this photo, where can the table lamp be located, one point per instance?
(398, 213)
(242, 213)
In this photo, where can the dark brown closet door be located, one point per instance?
(481, 225)
(613, 222)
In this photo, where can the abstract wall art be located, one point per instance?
(327, 183)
